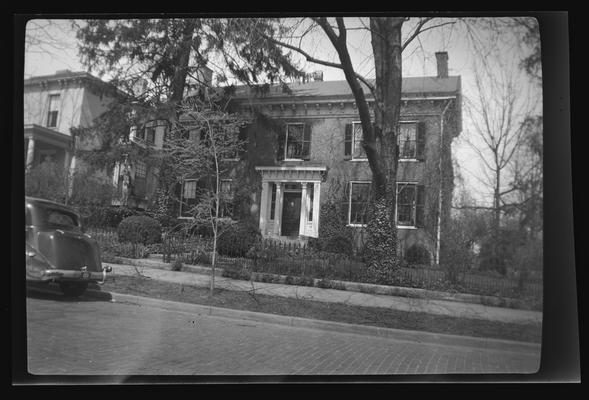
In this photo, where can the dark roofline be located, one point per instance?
(413, 87)
(60, 75)
(82, 76)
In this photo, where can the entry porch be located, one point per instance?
(289, 204)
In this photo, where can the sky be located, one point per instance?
(47, 57)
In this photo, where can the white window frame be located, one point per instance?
(180, 216)
(414, 207)
(414, 159)
(365, 158)
(302, 124)
(350, 203)
(49, 109)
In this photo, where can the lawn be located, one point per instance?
(371, 316)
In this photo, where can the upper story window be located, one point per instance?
(353, 141)
(149, 134)
(411, 141)
(53, 111)
(294, 143)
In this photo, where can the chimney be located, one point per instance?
(442, 59)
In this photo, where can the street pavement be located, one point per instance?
(431, 306)
(125, 337)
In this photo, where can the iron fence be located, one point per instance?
(294, 258)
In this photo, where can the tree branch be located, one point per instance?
(318, 61)
(417, 31)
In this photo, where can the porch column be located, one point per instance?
(303, 219)
(278, 209)
(72, 169)
(316, 195)
(264, 207)
(30, 153)
(66, 160)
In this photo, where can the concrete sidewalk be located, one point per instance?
(430, 306)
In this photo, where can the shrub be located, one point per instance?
(334, 235)
(340, 243)
(176, 265)
(105, 216)
(140, 229)
(498, 255)
(238, 239)
(417, 254)
(127, 250)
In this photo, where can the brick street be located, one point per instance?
(91, 337)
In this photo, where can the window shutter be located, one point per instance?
(281, 143)
(420, 206)
(307, 142)
(348, 142)
(420, 141)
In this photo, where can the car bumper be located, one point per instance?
(72, 275)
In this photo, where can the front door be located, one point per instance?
(291, 214)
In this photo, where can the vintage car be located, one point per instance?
(58, 250)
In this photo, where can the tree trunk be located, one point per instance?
(183, 57)
(381, 145)
(380, 137)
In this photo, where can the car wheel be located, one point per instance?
(73, 289)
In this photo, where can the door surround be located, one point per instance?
(290, 179)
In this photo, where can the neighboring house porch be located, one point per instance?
(44, 144)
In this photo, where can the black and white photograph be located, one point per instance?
(286, 198)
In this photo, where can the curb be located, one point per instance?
(298, 322)
(349, 286)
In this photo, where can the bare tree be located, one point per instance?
(496, 114)
(200, 142)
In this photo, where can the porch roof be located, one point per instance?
(47, 135)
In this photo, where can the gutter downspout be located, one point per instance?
(438, 233)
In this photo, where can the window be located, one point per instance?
(358, 202)
(407, 140)
(150, 135)
(226, 208)
(294, 143)
(188, 200)
(140, 179)
(411, 141)
(353, 142)
(357, 149)
(53, 111)
(410, 203)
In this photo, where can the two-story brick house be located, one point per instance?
(307, 150)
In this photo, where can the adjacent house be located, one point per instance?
(52, 105)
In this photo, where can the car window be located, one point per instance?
(55, 217)
(47, 217)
